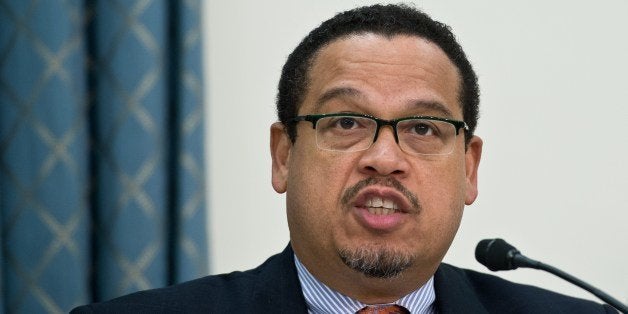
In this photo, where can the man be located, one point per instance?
(376, 154)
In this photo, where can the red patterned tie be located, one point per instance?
(383, 309)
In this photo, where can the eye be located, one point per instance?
(423, 128)
(346, 123)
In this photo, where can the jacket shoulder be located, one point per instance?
(498, 295)
(240, 291)
(201, 294)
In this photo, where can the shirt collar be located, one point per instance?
(321, 299)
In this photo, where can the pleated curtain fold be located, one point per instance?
(101, 150)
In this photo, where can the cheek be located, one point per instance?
(319, 174)
(442, 181)
(315, 186)
(442, 200)
(442, 195)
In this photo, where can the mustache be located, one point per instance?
(352, 191)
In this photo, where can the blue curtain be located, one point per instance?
(101, 150)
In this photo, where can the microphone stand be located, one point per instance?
(519, 260)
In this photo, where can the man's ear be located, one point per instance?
(280, 146)
(472, 162)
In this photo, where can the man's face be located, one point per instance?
(334, 199)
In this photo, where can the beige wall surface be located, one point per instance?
(554, 111)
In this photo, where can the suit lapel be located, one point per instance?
(278, 289)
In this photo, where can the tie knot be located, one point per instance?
(384, 309)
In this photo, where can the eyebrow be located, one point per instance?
(341, 92)
(338, 92)
(433, 106)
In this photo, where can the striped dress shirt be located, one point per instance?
(321, 299)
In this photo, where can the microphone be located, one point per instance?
(497, 254)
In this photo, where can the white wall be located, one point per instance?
(554, 111)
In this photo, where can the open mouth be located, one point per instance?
(381, 206)
(381, 209)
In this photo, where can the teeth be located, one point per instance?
(380, 211)
(377, 202)
(379, 206)
(389, 204)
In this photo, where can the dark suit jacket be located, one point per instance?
(274, 287)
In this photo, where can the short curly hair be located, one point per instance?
(386, 20)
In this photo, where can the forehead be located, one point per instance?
(382, 73)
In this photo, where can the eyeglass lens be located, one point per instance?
(416, 136)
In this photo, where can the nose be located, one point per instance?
(384, 157)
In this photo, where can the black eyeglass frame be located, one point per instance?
(381, 122)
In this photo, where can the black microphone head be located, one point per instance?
(495, 254)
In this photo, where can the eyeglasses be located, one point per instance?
(349, 132)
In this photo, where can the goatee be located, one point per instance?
(376, 262)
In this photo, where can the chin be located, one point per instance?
(377, 259)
